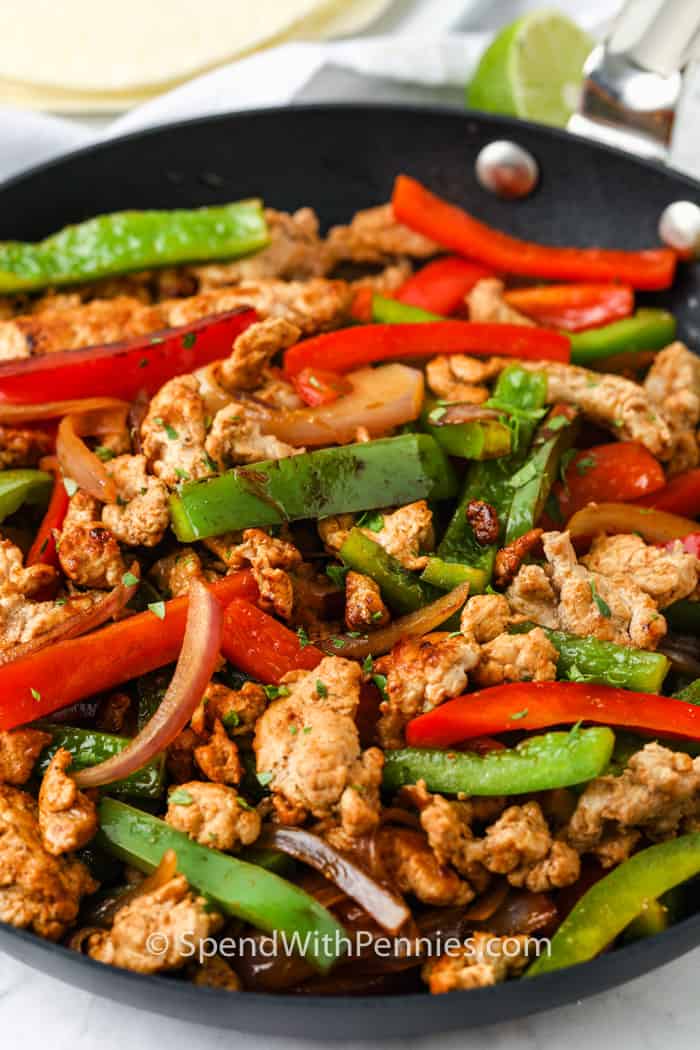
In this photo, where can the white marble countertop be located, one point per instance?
(660, 1011)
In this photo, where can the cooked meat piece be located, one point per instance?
(334, 531)
(213, 815)
(656, 791)
(276, 392)
(387, 281)
(409, 865)
(181, 920)
(420, 674)
(673, 386)
(113, 712)
(483, 961)
(19, 750)
(364, 608)
(180, 756)
(313, 306)
(218, 758)
(611, 401)
(519, 845)
(295, 253)
(237, 709)
(252, 352)
(215, 972)
(484, 617)
(615, 847)
(487, 305)
(173, 574)
(456, 377)
(666, 576)
(532, 597)
(23, 447)
(67, 817)
(174, 432)
(269, 558)
(140, 516)
(448, 828)
(37, 891)
(527, 657)
(374, 236)
(404, 534)
(483, 519)
(510, 558)
(307, 743)
(236, 437)
(88, 552)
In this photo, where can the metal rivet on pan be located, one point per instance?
(506, 169)
(679, 228)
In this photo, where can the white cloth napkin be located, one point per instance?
(419, 52)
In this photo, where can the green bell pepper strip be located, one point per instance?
(646, 329)
(89, 747)
(23, 486)
(540, 763)
(691, 693)
(656, 915)
(234, 886)
(316, 484)
(133, 240)
(474, 439)
(523, 394)
(590, 660)
(614, 901)
(533, 482)
(391, 311)
(683, 616)
(446, 575)
(150, 690)
(401, 589)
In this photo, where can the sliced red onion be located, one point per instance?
(387, 910)
(195, 666)
(56, 409)
(81, 464)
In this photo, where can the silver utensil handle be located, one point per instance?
(656, 35)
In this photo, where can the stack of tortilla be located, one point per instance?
(91, 56)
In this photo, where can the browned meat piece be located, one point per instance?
(364, 608)
(374, 236)
(405, 533)
(666, 576)
(420, 674)
(213, 815)
(270, 560)
(173, 574)
(387, 281)
(113, 713)
(37, 891)
(237, 709)
(88, 552)
(67, 817)
(180, 756)
(483, 519)
(140, 516)
(484, 617)
(456, 377)
(252, 352)
(23, 447)
(483, 961)
(236, 436)
(527, 657)
(181, 920)
(655, 793)
(673, 386)
(174, 432)
(295, 253)
(410, 866)
(218, 758)
(19, 750)
(532, 597)
(307, 743)
(215, 972)
(487, 305)
(510, 558)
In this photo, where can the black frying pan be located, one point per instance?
(339, 159)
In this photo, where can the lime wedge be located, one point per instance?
(533, 69)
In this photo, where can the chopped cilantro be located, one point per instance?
(36, 695)
(313, 381)
(585, 464)
(143, 363)
(128, 579)
(336, 574)
(189, 339)
(564, 465)
(380, 682)
(367, 665)
(170, 432)
(158, 609)
(103, 453)
(231, 720)
(264, 778)
(209, 463)
(243, 803)
(376, 615)
(321, 688)
(518, 715)
(437, 414)
(156, 339)
(307, 729)
(180, 797)
(60, 601)
(338, 643)
(303, 637)
(274, 692)
(293, 730)
(181, 474)
(557, 423)
(372, 520)
(601, 605)
(70, 486)
(44, 545)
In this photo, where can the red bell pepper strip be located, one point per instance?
(690, 544)
(573, 307)
(121, 370)
(680, 496)
(318, 386)
(456, 230)
(619, 472)
(534, 705)
(43, 549)
(350, 348)
(440, 286)
(43, 682)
